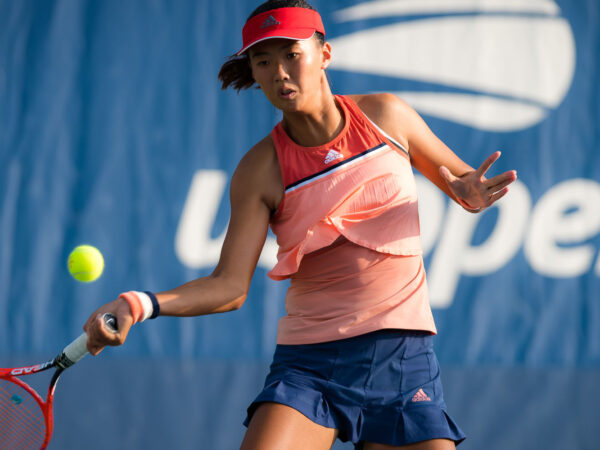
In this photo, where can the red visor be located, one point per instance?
(287, 23)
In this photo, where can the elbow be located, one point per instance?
(238, 302)
(237, 295)
(232, 290)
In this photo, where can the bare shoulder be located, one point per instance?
(382, 106)
(259, 157)
(389, 112)
(258, 174)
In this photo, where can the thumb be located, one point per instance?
(446, 174)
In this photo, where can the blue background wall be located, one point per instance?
(114, 132)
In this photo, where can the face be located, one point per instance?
(289, 72)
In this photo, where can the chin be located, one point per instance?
(291, 108)
(286, 106)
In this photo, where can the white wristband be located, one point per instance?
(146, 304)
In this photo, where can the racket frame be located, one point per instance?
(76, 350)
(13, 375)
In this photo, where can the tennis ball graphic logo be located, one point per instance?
(85, 263)
(479, 63)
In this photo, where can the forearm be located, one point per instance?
(431, 169)
(207, 295)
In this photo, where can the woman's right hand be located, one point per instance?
(98, 336)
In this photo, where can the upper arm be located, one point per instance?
(254, 194)
(427, 152)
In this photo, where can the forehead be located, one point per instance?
(275, 45)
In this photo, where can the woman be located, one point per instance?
(354, 357)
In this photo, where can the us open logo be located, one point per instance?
(495, 65)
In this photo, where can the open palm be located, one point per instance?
(473, 190)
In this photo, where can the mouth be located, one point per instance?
(287, 93)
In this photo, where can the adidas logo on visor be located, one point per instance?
(269, 22)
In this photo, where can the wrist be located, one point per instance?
(143, 305)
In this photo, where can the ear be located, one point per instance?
(325, 55)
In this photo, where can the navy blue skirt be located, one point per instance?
(379, 387)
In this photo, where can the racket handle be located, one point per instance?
(77, 349)
(73, 352)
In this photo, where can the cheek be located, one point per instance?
(309, 71)
(263, 80)
(255, 74)
(259, 77)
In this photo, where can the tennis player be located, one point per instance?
(354, 357)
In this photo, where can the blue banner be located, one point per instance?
(114, 132)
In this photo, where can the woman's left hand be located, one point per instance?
(473, 190)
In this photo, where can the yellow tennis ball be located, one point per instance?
(86, 263)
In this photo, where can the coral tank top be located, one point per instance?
(348, 235)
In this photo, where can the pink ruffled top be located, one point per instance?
(357, 190)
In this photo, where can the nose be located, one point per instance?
(281, 73)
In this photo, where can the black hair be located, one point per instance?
(236, 71)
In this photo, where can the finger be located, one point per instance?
(499, 179)
(498, 195)
(89, 323)
(99, 336)
(95, 350)
(93, 345)
(94, 340)
(488, 163)
(495, 188)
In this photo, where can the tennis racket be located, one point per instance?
(25, 418)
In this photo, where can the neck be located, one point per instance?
(321, 122)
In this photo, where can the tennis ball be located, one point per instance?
(85, 263)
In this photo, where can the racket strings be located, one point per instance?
(22, 424)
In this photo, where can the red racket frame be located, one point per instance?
(69, 356)
(47, 405)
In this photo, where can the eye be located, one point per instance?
(262, 63)
(292, 55)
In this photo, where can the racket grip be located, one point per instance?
(77, 349)
(73, 352)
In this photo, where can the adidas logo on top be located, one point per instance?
(269, 22)
(332, 155)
